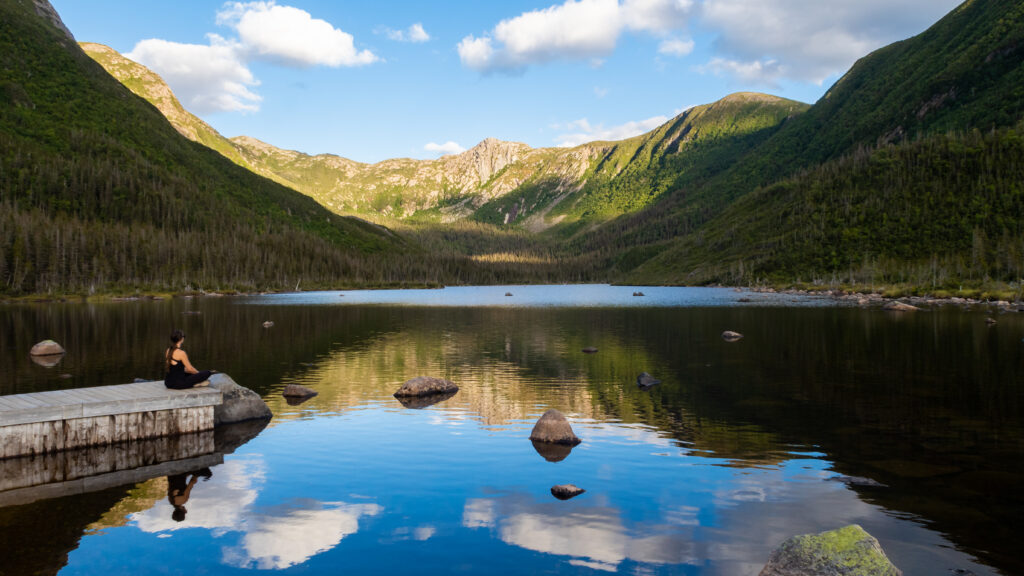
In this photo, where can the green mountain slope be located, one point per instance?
(830, 195)
(495, 182)
(98, 191)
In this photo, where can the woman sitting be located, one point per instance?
(180, 372)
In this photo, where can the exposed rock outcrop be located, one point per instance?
(553, 428)
(426, 386)
(895, 306)
(46, 348)
(841, 552)
(239, 404)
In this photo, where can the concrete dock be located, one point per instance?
(47, 422)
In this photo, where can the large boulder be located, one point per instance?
(426, 386)
(420, 402)
(553, 428)
(239, 403)
(46, 348)
(296, 391)
(841, 552)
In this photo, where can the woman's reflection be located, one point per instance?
(179, 486)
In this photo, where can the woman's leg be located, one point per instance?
(194, 379)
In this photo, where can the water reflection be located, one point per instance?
(179, 488)
(723, 460)
(592, 536)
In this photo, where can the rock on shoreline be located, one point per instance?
(846, 551)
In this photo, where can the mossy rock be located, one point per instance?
(847, 551)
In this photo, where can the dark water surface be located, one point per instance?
(737, 450)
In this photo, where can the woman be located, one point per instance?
(180, 372)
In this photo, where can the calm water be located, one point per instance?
(703, 474)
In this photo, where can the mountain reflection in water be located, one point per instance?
(705, 473)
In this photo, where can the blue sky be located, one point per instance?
(374, 80)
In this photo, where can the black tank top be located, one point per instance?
(176, 375)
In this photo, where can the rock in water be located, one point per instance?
(590, 350)
(137, 380)
(508, 293)
(553, 428)
(730, 336)
(841, 552)
(425, 386)
(566, 491)
(420, 402)
(645, 380)
(240, 403)
(991, 321)
(46, 348)
(900, 307)
(268, 324)
(296, 391)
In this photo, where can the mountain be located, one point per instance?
(494, 182)
(99, 193)
(907, 171)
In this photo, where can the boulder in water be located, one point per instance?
(730, 336)
(991, 321)
(645, 380)
(239, 403)
(268, 324)
(508, 293)
(426, 386)
(896, 306)
(590, 350)
(296, 391)
(420, 402)
(566, 491)
(46, 348)
(553, 428)
(841, 552)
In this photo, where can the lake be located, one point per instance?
(823, 415)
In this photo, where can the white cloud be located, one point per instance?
(291, 36)
(676, 46)
(582, 131)
(808, 40)
(600, 92)
(414, 33)
(766, 72)
(577, 29)
(278, 542)
(215, 77)
(206, 78)
(448, 147)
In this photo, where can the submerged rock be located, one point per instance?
(896, 306)
(590, 350)
(991, 321)
(553, 428)
(239, 404)
(426, 386)
(296, 391)
(730, 336)
(857, 481)
(552, 452)
(843, 552)
(46, 348)
(419, 402)
(645, 380)
(566, 491)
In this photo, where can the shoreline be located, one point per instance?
(862, 297)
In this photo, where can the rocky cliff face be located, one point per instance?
(47, 11)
